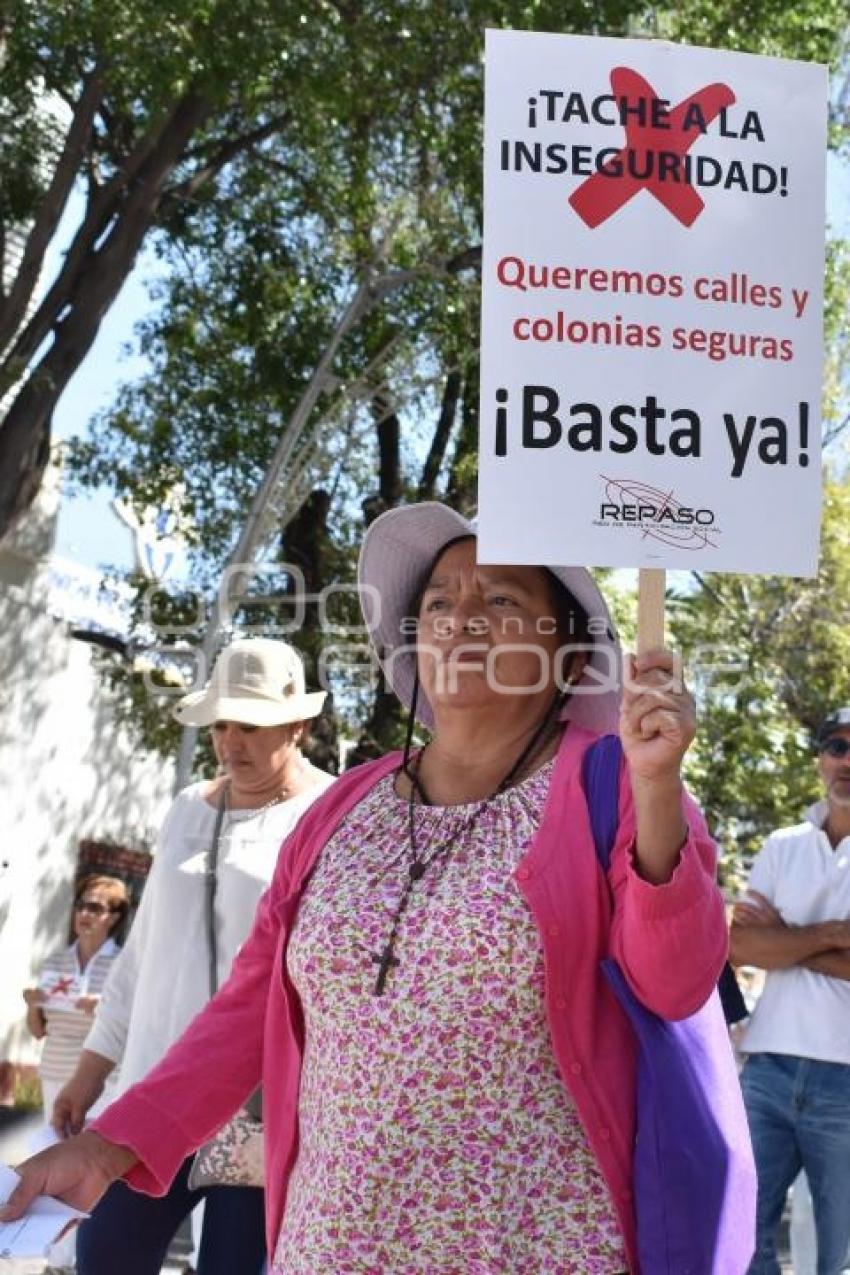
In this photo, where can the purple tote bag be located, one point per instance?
(694, 1177)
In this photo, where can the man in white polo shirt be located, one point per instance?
(794, 922)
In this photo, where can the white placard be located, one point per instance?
(652, 357)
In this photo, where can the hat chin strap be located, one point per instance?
(411, 722)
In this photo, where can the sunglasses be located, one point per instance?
(837, 747)
(93, 909)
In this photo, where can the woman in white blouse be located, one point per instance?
(257, 708)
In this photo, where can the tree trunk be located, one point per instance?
(463, 478)
(439, 443)
(305, 544)
(381, 731)
(25, 430)
(14, 306)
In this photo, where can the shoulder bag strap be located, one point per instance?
(254, 1105)
(601, 779)
(212, 885)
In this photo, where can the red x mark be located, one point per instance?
(61, 986)
(598, 198)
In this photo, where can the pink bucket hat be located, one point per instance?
(401, 546)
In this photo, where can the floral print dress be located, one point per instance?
(435, 1134)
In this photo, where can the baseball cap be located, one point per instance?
(838, 719)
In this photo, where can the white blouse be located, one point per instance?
(161, 978)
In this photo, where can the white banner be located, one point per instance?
(651, 351)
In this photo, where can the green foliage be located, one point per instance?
(836, 415)
(143, 693)
(813, 31)
(620, 591)
(26, 1094)
(367, 156)
(381, 144)
(769, 657)
(380, 134)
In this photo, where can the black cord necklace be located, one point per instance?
(417, 866)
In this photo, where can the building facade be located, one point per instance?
(75, 792)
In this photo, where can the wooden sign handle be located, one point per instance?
(652, 582)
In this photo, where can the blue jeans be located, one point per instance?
(130, 1232)
(799, 1115)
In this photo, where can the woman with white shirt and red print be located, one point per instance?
(61, 1006)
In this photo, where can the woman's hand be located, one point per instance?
(36, 1019)
(88, 1004)
(77, 1171)
(80, 1093)
(657, 718)
(657, 723)
(71, 1105)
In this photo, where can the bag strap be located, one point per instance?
(601, 780)
(254, 1105)
(212, 886)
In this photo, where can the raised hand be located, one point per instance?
(657, 718)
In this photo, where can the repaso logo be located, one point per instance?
(656, 514)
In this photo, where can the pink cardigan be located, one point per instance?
(670, 941)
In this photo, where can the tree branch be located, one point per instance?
(51, 208)
(461, 487)
(389, 451)
(106, 206)
(25, 430)
(222, 156)
(439, 442)
(712, 593)
(208, 151)
(469, 259)
(830, 435)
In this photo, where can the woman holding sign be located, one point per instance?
(450, 1084)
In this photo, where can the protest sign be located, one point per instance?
(651, 358)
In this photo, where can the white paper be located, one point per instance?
(651, 355)
(43, 1137)
(41, 1225)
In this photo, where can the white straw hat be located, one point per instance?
(256, 681)
(400, 547)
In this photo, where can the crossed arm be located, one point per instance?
(760, 937)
